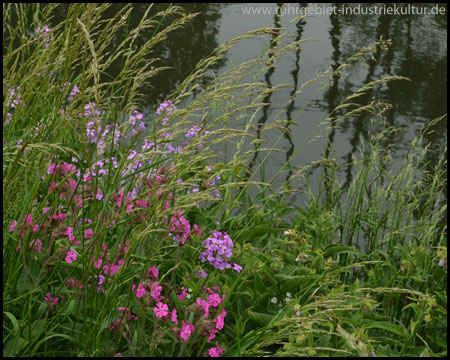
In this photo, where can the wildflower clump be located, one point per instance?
(218, 251)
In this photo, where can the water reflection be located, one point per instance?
(291, 105)
(267, 77)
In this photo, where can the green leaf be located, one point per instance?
(13, 346)
(288, 282)
(34, 330)
(259, 319)
(14, 321)
(336, 249)
(387, 326)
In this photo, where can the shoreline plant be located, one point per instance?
(133, 235)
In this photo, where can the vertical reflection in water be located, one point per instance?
(266, 100)
(331, 95)
(290, 107)
(360, 122)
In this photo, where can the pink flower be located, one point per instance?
(160, 309)
(69, 233)
(212, 334)
(48, 298)
(220, 320)
(204, 304)
(173, 316)
(99, 195)
(215, 351)
(140, 290)
(52, 185)
(214, 300)
(37, 245)
(88, 234)
(13, 226)
(71, 256)
(156, 291)
(98, 263)
(183, 294)
(186, 329)
(153, 272)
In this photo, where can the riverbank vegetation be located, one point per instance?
(133, 235)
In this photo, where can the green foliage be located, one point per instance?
(354, 272)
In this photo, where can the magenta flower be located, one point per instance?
(37, 245)
(13, 226)
(186, 330)
(183, 294)
(88, 234)
(48, 298)
(155, 292)
(212, 334)
(153, 272)
(205, 306)
(214, 300)
(161, 310)
(220, 320)
(140, 290)
(173, 316)
(71, 256)
(215, 351)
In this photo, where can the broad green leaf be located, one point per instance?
(336, 249)
(387, 326)
(259, 318)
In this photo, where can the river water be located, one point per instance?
(418, 52)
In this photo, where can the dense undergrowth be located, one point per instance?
(132, 235)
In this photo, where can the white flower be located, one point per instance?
(273, 300)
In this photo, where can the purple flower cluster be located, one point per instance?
(74, 91)
(166, 108)
(218, 251)
(45, 32)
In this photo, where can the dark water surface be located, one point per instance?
(419, 52)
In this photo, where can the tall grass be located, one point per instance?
(101, 209)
